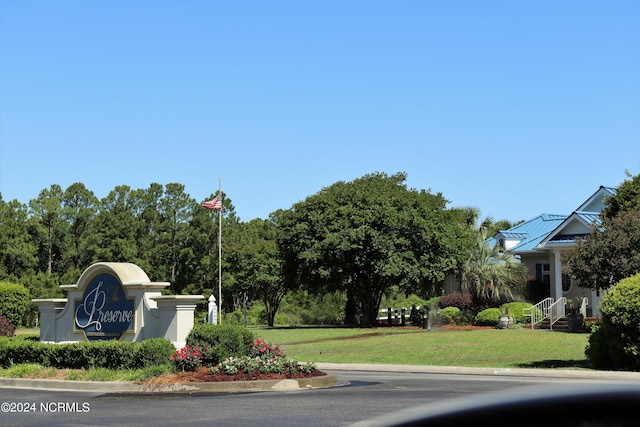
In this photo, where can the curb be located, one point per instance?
(328, 380)
(186, 387)
(242, 386)
(518, 372)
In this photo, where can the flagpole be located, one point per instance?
(220, 255)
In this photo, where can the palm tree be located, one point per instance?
(491, 274)
(471, 217)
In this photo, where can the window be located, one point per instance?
(566, 283)
(546, 274)
(543, 274)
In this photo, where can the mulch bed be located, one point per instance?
(203, 375)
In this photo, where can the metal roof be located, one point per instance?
(532, 233)
(590, 217)
(536, 230)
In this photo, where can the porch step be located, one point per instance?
(560, 325)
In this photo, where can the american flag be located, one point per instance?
(215, 204)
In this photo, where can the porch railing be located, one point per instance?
(546, 309)
(557, 310)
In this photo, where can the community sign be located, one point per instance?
(104, 312)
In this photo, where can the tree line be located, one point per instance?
(358, 238)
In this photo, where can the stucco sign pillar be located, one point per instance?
(116, 301)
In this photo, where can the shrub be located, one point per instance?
(218, 342)
(263, 358)
(262, 349)
(14, 301)
(6, 330)
(515, 311)
(614, 343)
(155, 352)
(463, 301)
(187, 358)
(111, 354)
(450, 315)
(7, 352)
(487, 317)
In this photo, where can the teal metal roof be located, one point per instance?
(531, 233)
(536, 230)
(589, 217)
(513, 234)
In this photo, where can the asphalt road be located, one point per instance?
(358, 396)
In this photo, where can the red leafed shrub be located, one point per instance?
(6, 330)
(463, 301)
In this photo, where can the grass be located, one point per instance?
(27, 331)
(496, 348)
(35, 371)
(29, 370)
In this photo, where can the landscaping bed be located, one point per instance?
(203, 374)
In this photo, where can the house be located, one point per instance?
(540, 243)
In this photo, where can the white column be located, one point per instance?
(213, 310)
(556, 291)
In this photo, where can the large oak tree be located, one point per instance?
(364, 236)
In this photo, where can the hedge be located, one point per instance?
(86, 355)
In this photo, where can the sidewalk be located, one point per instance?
(518, 372)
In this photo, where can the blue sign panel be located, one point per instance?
(104, 313)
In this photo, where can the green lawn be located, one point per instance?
(499, 348)
(496, 348)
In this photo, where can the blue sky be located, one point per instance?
(515, 108)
